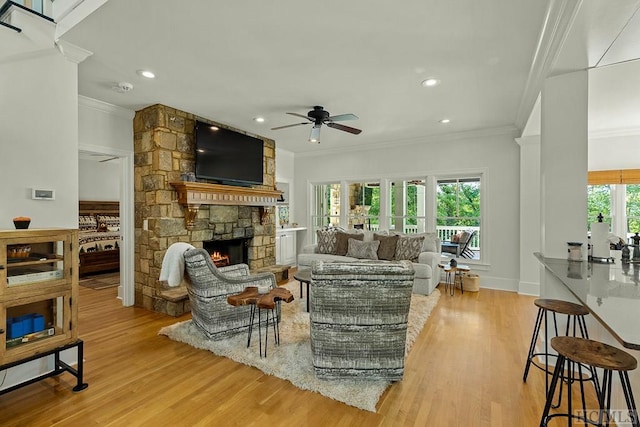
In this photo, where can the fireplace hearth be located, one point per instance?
(228, 251)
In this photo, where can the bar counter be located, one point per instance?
(611, 293)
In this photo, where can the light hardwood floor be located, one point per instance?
(465, 369)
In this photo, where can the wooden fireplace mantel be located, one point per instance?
(193, 194)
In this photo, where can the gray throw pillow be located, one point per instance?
(363, 250)
(387, 248)
(408, 248)
(342, 241)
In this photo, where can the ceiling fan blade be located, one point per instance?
(288, 126)
(315, 134)
(300, 115)
(343, 117)
(344, 128)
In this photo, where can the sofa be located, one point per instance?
(358, 319)
(423, 250)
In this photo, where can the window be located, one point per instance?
(327, 206)
(633, 209)
(458, 209)
(364, 205)
(598, 202)
(408, 206)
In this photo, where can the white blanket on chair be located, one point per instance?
(173, 263)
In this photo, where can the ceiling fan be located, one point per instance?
(319, 116)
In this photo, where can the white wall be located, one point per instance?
(39, 146)
(496, 155)
(614, 152)
(103, 125)
(99, 180)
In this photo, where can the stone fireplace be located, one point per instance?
(168, 210)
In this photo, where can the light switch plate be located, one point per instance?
(38, 194)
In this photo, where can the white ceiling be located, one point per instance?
(233, 61)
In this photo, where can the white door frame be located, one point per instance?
(126, 290)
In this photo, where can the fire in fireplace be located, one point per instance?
(219, 259)
(228, 252)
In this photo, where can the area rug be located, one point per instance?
(291, 360)
(101, 281)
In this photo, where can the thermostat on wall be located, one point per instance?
(43, 194)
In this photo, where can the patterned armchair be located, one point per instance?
(359, 313)
(208, 288)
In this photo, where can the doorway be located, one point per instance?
(108, 174)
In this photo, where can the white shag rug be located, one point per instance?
(291, 360)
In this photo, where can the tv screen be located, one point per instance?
(227, 156)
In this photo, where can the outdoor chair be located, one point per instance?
(462, 246)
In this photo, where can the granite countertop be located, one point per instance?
(611, 293)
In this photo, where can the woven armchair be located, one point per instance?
(208, 288)
(359, 313)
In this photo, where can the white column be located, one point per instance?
(400, 189)
(529, 282)
(385, 204)
(563, 170)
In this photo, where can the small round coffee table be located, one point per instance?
(304, 276)
(453, 275)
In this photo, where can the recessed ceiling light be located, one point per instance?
(259, 119)
(444, 121)
(146, 73)
(214, 128)
(430, 82)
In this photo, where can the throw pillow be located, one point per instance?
(87, 223)
(408, 248)
(326, 240)
(429, 244)
(363, 250)
(455, 238)
(111, 221)
(342, 241)
(387, 248)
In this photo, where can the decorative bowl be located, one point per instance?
(21, 224)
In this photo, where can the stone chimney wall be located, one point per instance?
(164, 147)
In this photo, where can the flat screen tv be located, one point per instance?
(228, 157)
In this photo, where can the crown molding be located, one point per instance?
(105, 107)
(614, 133)
(558, 20)
(510, 130)
(73, 53)
(528, 140)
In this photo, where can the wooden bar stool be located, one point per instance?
(575, 321)
(579, 352)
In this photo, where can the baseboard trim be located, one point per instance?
(529, 288)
